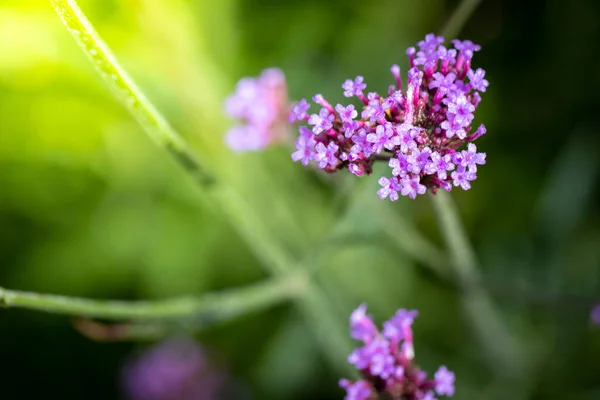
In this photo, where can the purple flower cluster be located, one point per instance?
(176, 369)
(386, 361)
(421, 131)
(262, 104)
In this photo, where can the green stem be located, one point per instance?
(248, 224)
(208, 308)
(126, 90)
(480, 311)
(410, 241)
(458, 18)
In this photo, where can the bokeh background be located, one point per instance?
(90, 207)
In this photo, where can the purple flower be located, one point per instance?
(321, 122)
(305, 146)
(347, 114)
(176, 369)
(461, 110)
(430, 43)
(299, 110)
(354, 88)
(395, 70)
(386, 362)
(399, 164)
(356, 169)
(444, 381)
(390, 188)
(326, 155)
(360, 358)
(246, 138)
(470, 158)
(383, 137)
(239, 105)
(453, 129)
(262, 104)
(420, 160)
(462, 177)
(376, 110)
(395, 328)
(441, 165)
(361, 145)
(362, 326)
(478, 133)
(465, 45)
(427, 126)
(349, 128)
(442, 82)
(411, 186)
(359, 390)
(407, 134)
(381, 360)
(477, 79)
(427, 396)
(595, 314)
(376, 357)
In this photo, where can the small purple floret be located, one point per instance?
(444, 381)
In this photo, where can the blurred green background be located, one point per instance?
(90, 207)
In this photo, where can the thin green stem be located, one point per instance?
(486, 321)
(208, 308)
(266, 247)
(458, 18)
(411, 242)
(126, 90)
(461, 253)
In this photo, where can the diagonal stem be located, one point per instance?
(125, 89)
(480, 311)
(459, 17)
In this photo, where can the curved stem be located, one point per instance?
(208, 308)
(126, 90)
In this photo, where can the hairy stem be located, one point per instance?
(207, 308)
(126, 90)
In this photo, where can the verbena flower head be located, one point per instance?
(423, 131)
(386, 361)
(176, 369)
(261, 103)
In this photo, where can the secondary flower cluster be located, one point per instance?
(175, 369)
(595, 314)
(262, 104)
(420, 131)
(386, 362)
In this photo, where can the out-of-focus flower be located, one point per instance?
(595, 315)
(421, 130)
(386, 361)
(262, 104)
(176, 369)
